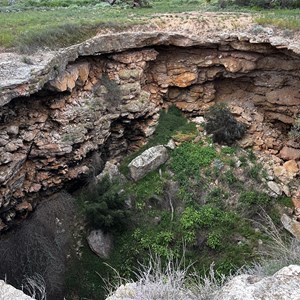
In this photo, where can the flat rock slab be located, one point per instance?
(148, 161)
(100, 243)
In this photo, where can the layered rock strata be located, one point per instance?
(101, 98)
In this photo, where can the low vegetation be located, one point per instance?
(224, 128)
(203, 204)
(28, 25)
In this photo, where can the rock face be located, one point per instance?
(148, 161)
(100, 99)
(8, 292)
(283, 285)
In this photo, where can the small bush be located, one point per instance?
(295, 130)
(252, 202)
(104, 206)
(223, 126)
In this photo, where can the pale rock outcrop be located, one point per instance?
(8, 292)
(283, 285)
(148, 161)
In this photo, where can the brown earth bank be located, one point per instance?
(65, 112)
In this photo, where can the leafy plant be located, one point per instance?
(188, 158)
(223, 126)
(252, 201)
(214, 240)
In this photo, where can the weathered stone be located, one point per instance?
(283, 285)
(13, 129)
(291, 225)
(288, 153)
(273, 186)
(148, 161)
(8, 292)
(24, 206)
(291, 166)
(171, 144)
(111, 170)
(100, 243)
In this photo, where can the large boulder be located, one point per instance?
(100, 243)
(148, 161)
(8, 292)
(283, 285)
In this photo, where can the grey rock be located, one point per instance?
(8, 292)
(100, 243)
(13, 129)
(148, 161)
(110, 170)
(171, 144)
(283, 285)
(291, 225)
(274, 187)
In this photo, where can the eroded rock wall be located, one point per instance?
(102, 105)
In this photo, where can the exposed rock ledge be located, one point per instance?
(102, 97)
(283, 285)
(18, 78)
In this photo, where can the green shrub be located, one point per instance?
(253, 201)
(295, 130)
(214, 240)
(171, 122)
(223, 126)
(188, 158)
(104, 206)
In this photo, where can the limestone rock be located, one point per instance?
(100, 243)
(171, 144)
(291, 225)
(273, 186)
(148, 161)
(289, 153)
(291, 166)
(283, 285)
(111, 170)
(8, 292)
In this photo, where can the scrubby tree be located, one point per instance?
(224, 128)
